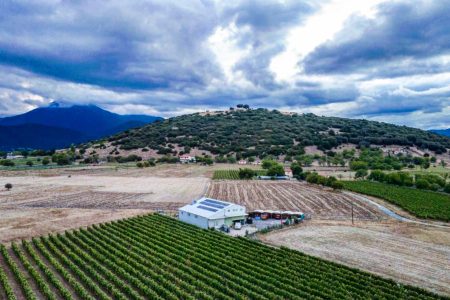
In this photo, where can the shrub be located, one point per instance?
(422, 184)
(337, 185)
(8, 186)
(246, 173)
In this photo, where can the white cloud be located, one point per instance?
(317, 29)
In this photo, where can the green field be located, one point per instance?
(421, 203)
(233, 174)
(156, 257)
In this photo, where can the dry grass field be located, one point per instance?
(409, 253)
(54, 200)
(316, 201)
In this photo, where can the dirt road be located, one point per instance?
(410, 253)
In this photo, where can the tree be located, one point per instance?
(337, 185)
(296, 169)
(246, 173)
(139, 165)
(268, 163)
(377, 175)
(8, 186)
(29, 163)
(275, 170)
(361, 173)
(45, 161)
(447, 188)
(422, 184)
(358, 165)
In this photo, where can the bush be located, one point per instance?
(45, 161)
(361, 173)
(337, 185)
(140, 165)
(246, 173)
(358, 165)
(275, 170)
(447, 188)
(7, 163)
(8, 186)
(29, 163)
(422, 184)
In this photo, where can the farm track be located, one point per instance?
(288, 195)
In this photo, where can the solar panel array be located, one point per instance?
(212, 205)
(207, 208)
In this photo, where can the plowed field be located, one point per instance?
(292, 195)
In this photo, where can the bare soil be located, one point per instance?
(318, 202)
(410, 253)
(48, 201)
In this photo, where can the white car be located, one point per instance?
(237, 225)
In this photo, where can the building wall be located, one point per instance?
(230, 221)
(215, 223)
(193, 219)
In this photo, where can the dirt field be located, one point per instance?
(55, 200)
(413, 254)
(318, 202)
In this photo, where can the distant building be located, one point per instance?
(12, 156)
(211, 213)
(288, 172)
(185, 159)
(242, 162)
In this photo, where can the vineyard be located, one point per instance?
(155, 257)
(421, 203)
(233, 174)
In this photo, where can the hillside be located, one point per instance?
(262, 132)
(74, 124)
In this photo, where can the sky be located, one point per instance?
(379, 60)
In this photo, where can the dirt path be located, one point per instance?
(410, 253)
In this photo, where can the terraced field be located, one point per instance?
(155, 257)
(292, 195)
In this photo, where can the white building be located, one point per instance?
(211, 213)
(187, 159)
(12, 156)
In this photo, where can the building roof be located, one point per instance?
(213, 209)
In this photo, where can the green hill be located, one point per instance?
(261, 132)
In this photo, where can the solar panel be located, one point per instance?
(212, 204)
(216, 202)
(207, 208)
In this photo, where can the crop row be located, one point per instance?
(421, 203)
(233, 174)
(156, 257)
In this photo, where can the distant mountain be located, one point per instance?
(82, 123)
(444, 132)
(37, 137)
(261, 132)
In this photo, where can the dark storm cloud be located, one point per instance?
(134, 44)
(399, 31)
(156, 57)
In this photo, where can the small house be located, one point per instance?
(185, 159)
(242, 162)
(211, 213)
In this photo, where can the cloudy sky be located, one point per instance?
(374, 59)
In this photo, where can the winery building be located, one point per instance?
(212, 213)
